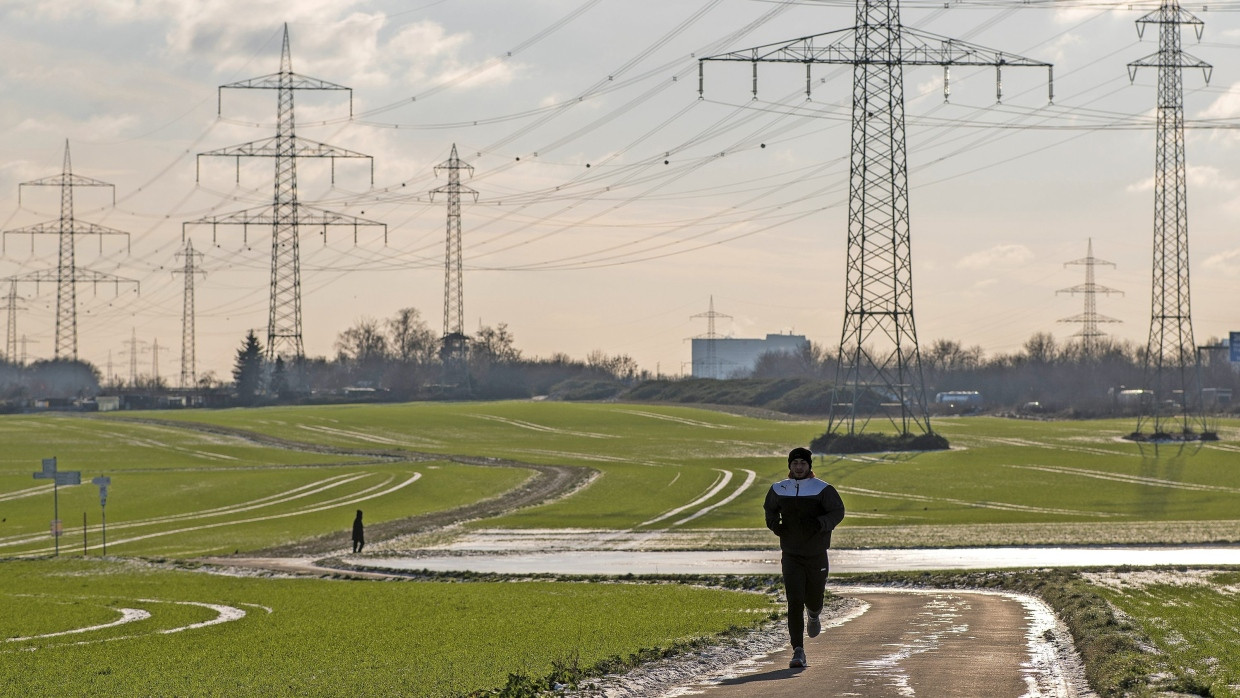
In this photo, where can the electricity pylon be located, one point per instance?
(713, 365)
(286, 214)
(10, 339)
(135, 348)
(1089, 319)
(454, 351)
(1171, 354)
(879, 359)
(188, 374)
(67, 274)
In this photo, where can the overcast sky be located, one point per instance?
(613, 202)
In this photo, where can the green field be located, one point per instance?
(1192, 618)
(1004, 481)
(249, 480)
(301, 637)
(182, 493)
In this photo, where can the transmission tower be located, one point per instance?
(155, 362)
(1089, 319)
(133, 351)
(879, 356)
(67, 274)
(24, 341)
(714, 367)
(188, 375)
(455, 350)
(10, 340)
(1171, 354)
(286, 215)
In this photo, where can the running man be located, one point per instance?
(803, 511)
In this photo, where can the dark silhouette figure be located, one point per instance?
(359, 534)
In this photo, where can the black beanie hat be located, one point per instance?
(802, 453)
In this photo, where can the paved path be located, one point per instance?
(942, 643)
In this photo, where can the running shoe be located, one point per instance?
(798, 659)
(814, 626)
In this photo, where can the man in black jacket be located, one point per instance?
(802, 511)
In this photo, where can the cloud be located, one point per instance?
(101, 127)
(998, 256)
(1202, 177)
(1226, 263)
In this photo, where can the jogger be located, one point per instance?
(803, 510)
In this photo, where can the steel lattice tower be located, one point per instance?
(455, 350)
(67, 274)
(285, 215)
(714, 365)
(133, 351)
(1171, 355)
(1089, 319)
(879, 358)
(10, 340)
(189, 375)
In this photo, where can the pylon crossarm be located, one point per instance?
(275, 81)
(80, 276)
(916, 48)
(1083, 317)
(1089, 288)
(925, 48)
(453, 189)
(65, 180)
(819, 48)
(53, 228)
(1171, 15)
(302, 148)
(1179, 60)
(263, 215)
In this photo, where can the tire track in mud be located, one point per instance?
(548, 483)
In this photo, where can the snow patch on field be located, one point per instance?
(1140, 579)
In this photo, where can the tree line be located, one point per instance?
(1044, 375)
(399, 359)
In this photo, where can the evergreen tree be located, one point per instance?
(248, 369)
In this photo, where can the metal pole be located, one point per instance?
(56, 515)
(104, 511)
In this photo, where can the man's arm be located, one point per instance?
(771, 508)
(833, 508)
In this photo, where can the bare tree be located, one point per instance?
(412, 340)
(363, 343)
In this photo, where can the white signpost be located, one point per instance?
(58, 478)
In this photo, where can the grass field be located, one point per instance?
(1026, 481)
(180, 493)
(1193, 618)
(200, 634)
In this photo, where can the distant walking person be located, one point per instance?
(803, 511)
(359, 533)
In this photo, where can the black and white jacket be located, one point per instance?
(803, 513)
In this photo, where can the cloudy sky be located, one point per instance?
(614, 203)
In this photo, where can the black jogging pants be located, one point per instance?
(805, 583)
